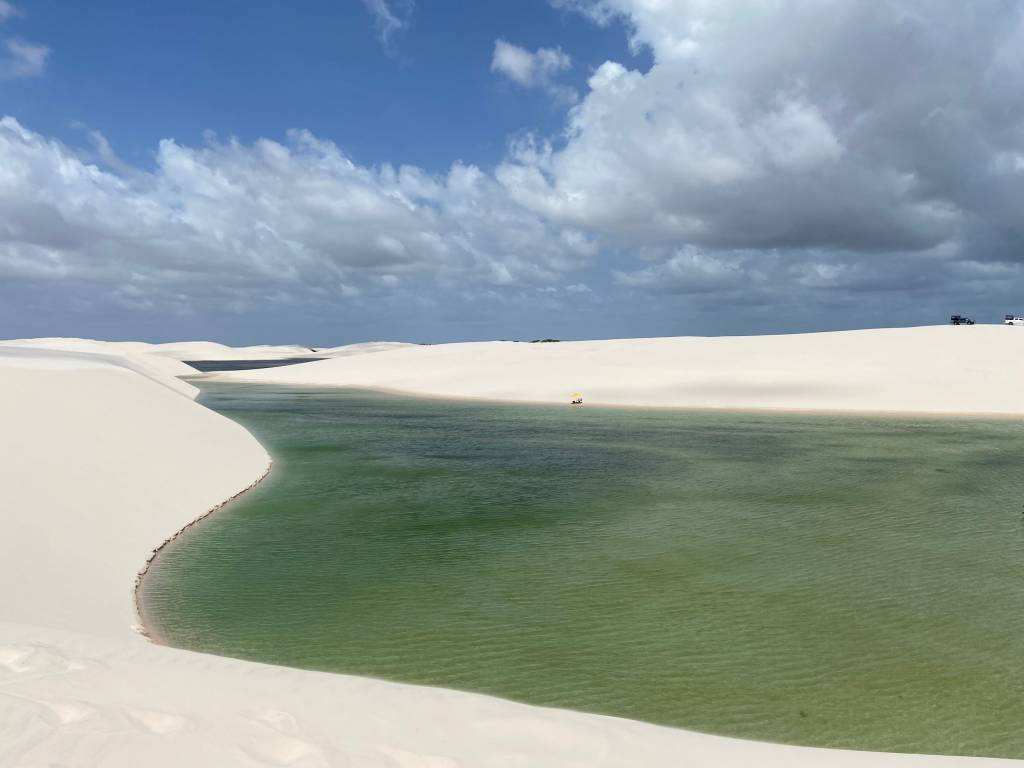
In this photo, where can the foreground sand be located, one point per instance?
(102, 458)
(936, 369)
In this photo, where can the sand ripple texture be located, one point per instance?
(82, 701)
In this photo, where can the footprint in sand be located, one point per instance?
(281, 743)
(76, 712)
(399, 758)
(282, 722)
(18, 660)
(160, 723)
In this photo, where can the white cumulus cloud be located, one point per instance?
(838, 160)
(807, 124)
(252, 220)
(534, 69)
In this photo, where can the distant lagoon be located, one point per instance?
(209, 366)
(847, 582)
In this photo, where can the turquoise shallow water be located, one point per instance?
(850, 582)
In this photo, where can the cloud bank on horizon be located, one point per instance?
(823, 158)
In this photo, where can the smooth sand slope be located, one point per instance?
(939, 369)
(171, 354)
(134, 354)
(210, 350)
(100, 461)
(169, 357)
(366, 348)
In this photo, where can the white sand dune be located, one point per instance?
(174, 353)
(100, 461)
(937, 369)
(211, 350)
(133, 355)
(85, 436)
(365, 348)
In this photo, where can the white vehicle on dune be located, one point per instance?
(1013, 320)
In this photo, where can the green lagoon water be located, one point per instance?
(848, 582)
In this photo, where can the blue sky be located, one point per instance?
(144, 71)
(334, 171)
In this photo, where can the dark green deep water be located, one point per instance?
(849, 582)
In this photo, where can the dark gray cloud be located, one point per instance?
(828, 126)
